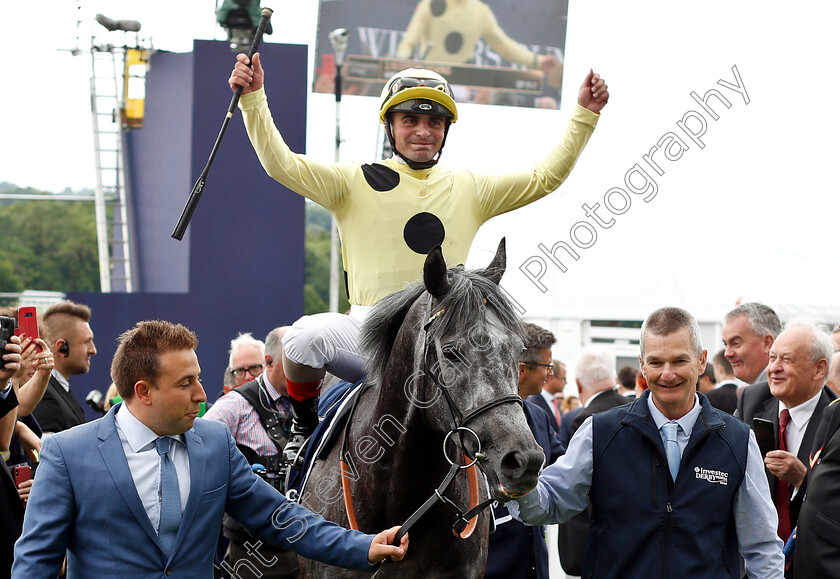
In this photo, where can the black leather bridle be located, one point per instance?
(457, 427)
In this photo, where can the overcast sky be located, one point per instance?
(47, 132)
(754, 210)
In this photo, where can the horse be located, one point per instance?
(440, 396)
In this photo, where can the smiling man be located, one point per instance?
(141, 492)
(699, 495)
(799, 359)
(748, 333)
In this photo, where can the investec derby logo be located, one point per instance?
(713, 476)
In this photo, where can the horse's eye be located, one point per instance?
(451, 352)
(451, 355)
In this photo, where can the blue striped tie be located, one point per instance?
(672, 448)
(170, 496)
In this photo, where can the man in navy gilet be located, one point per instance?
(699, 494)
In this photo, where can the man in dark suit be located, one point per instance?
(627, 382)
(518, 551)
(817, 552)
(725, 394)
(550, 397)
(793, 401)
(564, 433)
(596, 382)
(68, 334)
(748, 333)
(141, 492)
(833, 379)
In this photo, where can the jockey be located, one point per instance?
(391, 213)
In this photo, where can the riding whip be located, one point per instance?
(195, 195)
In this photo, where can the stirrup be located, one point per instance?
(295, 449)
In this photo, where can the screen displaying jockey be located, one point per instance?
(390, 213)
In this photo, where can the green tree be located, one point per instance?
(51, 245)
(316, 291)
(9, 280)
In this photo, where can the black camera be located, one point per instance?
(96, 401)
(7, 330)
(275, 471)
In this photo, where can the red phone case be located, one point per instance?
(22, 473)
(28, 324)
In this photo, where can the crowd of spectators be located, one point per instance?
(785, 376)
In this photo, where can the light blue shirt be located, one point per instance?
(138, 443)
(685, 422)
(563, 491)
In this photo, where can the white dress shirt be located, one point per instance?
(59, 377)
(800, 416)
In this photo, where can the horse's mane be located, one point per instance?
(470, 292)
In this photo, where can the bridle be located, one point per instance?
(465, 521)
(457, 427)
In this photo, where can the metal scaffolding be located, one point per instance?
(117, 93)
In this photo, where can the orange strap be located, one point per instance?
(472, 482)
(348, 496)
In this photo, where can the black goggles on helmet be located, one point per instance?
(411, 82)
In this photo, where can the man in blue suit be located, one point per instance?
(516, 550)
(119, 508)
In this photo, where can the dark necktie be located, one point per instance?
(782, 495)
(170, 496)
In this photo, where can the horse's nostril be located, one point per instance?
(520, 469)
(512, 465)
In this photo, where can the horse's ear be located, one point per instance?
(496, 269)
(434, 273)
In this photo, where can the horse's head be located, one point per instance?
(463, 339)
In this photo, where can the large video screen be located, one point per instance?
(501, 52)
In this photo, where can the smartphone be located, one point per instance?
(27, 324)
(22, 473)
(8, 328)
(765, 435)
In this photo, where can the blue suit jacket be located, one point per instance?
(512, 543)
(540, 401)
(84, 499)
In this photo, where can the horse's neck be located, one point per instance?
(394, 404)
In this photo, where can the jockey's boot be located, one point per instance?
(304, 422)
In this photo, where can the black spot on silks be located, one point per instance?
(380, 177)
(423, 232)
(453, 43)
(438, 7)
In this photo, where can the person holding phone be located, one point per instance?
(31, 380)
(11, 506)
(793, 402)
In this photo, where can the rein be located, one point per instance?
(465, 522)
